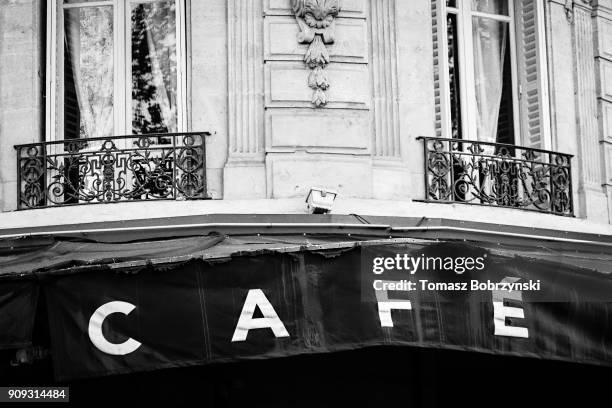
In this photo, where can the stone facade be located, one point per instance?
(602, 21)
(345, 117)
(22, 86)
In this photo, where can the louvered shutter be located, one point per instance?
(532, 74)
(437, 35)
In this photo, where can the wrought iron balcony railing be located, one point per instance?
(494, 174)
(111, 169)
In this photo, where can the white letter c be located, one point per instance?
(95, 329)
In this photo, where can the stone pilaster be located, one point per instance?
(245, 175)
(387, 162)
(593, 202)
(602, 13)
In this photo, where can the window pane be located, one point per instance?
(88, 72)
(453, 75)
(154, 68)
(491, 6)
(493, 80)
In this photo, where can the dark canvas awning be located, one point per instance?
(74, 255)
(178, 302)
(18, 301)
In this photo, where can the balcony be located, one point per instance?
(112, 169)
(497, 175)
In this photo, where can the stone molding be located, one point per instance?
(569, 8)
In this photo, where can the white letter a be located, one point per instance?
(254, 298)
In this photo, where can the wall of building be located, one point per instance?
(208, 89)
(248, 86)
(22, 71)
(603, 63)
(278, 141)
(592, 201)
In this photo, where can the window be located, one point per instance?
(490, 71)
(117, 68)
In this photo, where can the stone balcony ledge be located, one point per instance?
(57, 219)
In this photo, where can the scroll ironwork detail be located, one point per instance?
(494, 174)
(112, 169)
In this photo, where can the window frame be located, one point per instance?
(122, 89)
(467, 93)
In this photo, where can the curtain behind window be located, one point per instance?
(492, 76)
(88, 72)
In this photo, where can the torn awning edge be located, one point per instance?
(216, 257)
(223, 252)
(65, 254)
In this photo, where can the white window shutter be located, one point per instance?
(532, 74)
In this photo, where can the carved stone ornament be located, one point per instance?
(316, 19)
(569, 8)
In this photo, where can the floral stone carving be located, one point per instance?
(316, 19)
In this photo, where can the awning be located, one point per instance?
(121, 308)
(18, 301)
(71, 255)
